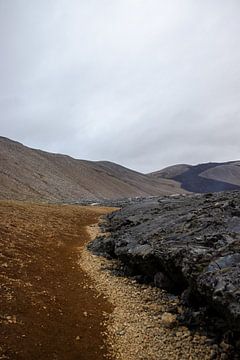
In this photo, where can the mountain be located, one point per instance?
(170, 171)
(202, 178)
(228, 172)
(30, 174)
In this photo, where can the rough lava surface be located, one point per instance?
(186, 244)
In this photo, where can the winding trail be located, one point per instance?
(49, 306)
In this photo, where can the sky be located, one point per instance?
(144, 83)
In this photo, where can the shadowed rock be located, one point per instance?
(189, 245)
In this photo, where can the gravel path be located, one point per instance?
(143, 324)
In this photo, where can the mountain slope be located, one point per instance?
(27, 174)
(170, 171)
(202, 178)
(229, 172)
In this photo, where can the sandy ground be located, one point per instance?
(142, 325)
(49, 308)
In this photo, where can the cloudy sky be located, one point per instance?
(145, 83)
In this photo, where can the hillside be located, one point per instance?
(30, 174)
(202, 178)
(171, 171)
(228, 172)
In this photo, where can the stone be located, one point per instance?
(168, 319)
(186, 245)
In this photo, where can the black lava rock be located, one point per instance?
(187, 244)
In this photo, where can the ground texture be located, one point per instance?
(190, 246)
(59, 301)
(49, 308)
(143, 324)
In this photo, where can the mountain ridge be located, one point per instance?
(33, 174)
(205, 177)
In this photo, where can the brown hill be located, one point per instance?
(228, 172)
(30, 174)
(170, 171)
(202, 178)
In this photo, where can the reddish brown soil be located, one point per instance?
(49, 310)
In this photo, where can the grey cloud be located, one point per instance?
(143, 83)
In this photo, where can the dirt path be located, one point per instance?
(59, 302)
(143, 325)
(49, 307)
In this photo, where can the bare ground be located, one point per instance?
(49, 307)
(58, 301)
(142, 325)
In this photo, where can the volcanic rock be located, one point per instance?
(187, 244)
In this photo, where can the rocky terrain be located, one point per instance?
(190, 246)
(203, 178)
(59, 301)
(143, 324)
(187, 245)
(30, 174)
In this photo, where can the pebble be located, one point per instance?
(168, 319)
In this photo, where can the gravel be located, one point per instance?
(143, 324)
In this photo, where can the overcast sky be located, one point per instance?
(144, 83)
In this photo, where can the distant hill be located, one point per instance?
(30, 174)
(171, 171)
(226, 172)
(202, 178)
